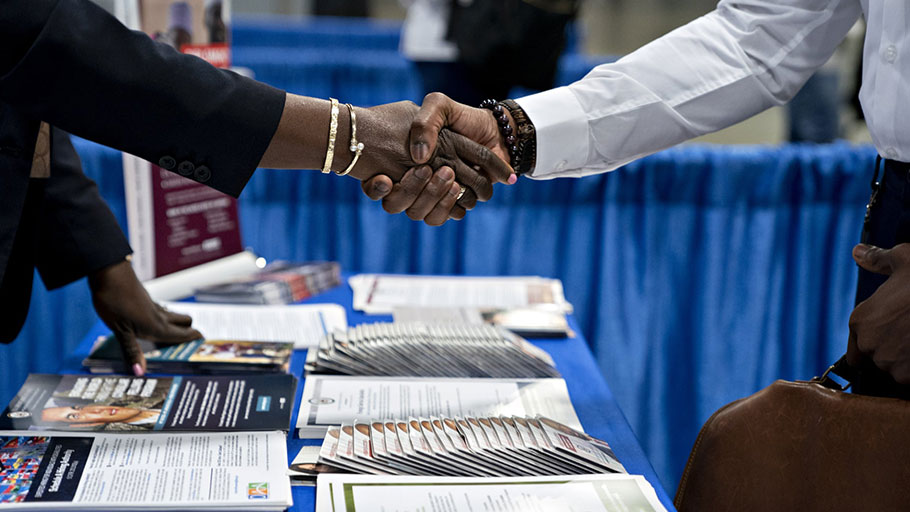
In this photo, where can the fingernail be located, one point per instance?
(422, 172)
(445, 174)
(861, 250)
(381, 188)
(421, 152)
(513, 178)
(137, 370)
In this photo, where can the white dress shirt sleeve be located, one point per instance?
(740, 59)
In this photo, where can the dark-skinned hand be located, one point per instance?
(880, 325)
(126, 308)
(423, 194)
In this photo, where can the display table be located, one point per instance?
(596, 407)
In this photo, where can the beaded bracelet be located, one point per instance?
(526, 135)
(505, 129)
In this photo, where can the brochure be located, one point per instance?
(145, 404)
(93, 471)
(588, 493)
(194, 357)
(332, 400)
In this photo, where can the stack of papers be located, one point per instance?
(420, 350)
(544, 321)
(382, 294)
(588, 493)
(146, 404)
(87, 471)
(280, 282)
(303, 325)
(194, 357)
(334, 400)
(486, 446)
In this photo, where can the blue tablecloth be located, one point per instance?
(596, 407)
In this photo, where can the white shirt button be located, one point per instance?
(890, 53)
(891, 153)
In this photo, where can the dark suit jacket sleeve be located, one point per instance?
(75, 231)
(70, 63)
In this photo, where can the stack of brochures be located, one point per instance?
(158, 471)
(588, 493)
(199, 356)
(304, 324)
(421, 350)
(333, 400)
(147, 443)
(278, 283)
(484, 446)
(543, 321)
(145, 404)
(383, 293)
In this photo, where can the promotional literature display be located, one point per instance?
(543, 321)
(383, 293)
(420, 350)
(146, 404)
(304, 324)
(194, 357)
(588, 493)
(335, 400)
(95, 471)
(175, 222)
(278, 283)
(482, 446)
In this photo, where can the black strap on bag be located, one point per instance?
(867, 379)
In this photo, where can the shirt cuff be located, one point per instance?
(562, 132)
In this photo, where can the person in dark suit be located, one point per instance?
(68, 66)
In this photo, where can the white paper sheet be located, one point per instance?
(382, 293)
(303, 324)
(591, 493)
(333, 400)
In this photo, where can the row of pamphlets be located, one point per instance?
(427, 412)
(429, 350)
(279, 282)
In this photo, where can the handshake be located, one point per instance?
(433, 162)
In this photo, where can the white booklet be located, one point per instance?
(383, 293)
(88, 471)
(588, 493)
(331, 400)
(302, 324)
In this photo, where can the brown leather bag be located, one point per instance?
(801, 446)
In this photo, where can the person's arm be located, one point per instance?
(76, 235)
(726, 66)
(73, 65)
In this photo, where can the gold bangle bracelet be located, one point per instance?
(356, 147)
(333, 132)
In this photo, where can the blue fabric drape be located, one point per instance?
(699, 275)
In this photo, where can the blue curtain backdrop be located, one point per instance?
(699, 274)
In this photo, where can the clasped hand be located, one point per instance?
(462, 144)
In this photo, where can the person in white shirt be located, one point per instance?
(734, 62)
